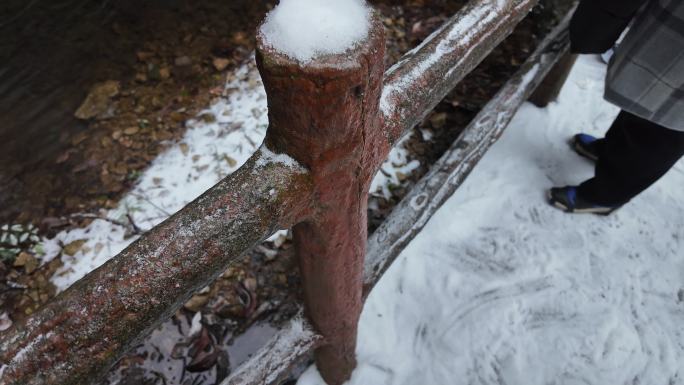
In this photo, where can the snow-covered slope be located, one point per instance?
(500, 288)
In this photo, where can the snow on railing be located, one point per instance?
(331, 124)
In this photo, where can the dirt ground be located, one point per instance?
(152, 65)
(86, 111)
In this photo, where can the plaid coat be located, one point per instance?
(646, 74)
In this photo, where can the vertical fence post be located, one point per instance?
(550, 88)
(325, 115)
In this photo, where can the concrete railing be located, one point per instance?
(331, 124)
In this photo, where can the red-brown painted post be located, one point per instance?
(325, 115)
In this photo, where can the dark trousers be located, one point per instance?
(634, 154)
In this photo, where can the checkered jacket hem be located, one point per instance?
(646, 74)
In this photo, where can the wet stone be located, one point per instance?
(98, 102)
(183, 61)
(164, 73)
(196, 303)
(131, 130)
(220, 64)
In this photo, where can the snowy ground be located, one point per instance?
(500, 288)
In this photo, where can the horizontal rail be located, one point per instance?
(89, 326)
(422, 201)
(412, 214)
(426, 74)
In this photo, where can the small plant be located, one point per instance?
(143, 123)
(134, 175)
(15, 238)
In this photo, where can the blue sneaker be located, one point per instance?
(566, 199)
(586, 146)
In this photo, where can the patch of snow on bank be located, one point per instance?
(207, 153)
(501, 288)
(393, 170)
(304, 29)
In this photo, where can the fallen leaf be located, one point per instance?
(203, 353)
(438, 120)
(73, 247)
(20, 261)
(184, 148)
(119, 168)
(164, 73)
(183, 61)
(27, 261)
(106, 142)
(131, 130)
(144, 56)
(220, 63)
(5, 322)
(208, 117)
(231, 162)
(80, 137)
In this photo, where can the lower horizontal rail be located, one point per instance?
(290, 345)
(269, 366)
(450, 171)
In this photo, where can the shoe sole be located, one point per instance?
(581, 151)
(604, 211)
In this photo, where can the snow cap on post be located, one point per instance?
(321, 104)
(306, 29)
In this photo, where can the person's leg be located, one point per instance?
(635, 154)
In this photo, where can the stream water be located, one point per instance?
(50, 52)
